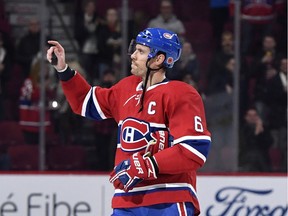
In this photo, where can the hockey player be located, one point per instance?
(163, 137)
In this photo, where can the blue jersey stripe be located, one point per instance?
(91, 111)
(200, 145)
(156, 190)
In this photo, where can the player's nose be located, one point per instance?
(133, 56)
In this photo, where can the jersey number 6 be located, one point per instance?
(198, 124)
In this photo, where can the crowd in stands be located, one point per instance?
(207, 63)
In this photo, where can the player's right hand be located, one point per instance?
(59, 51)
(130, 172)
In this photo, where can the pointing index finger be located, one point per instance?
(56, 44)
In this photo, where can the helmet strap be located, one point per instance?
(146, 82)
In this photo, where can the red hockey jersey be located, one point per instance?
(170, 105)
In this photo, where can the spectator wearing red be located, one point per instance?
(257, 17)
(29, 106)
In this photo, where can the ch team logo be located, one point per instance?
(167, 35)
(134, 135)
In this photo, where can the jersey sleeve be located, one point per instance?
(91, 102)
(187, 124)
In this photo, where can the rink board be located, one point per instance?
(58, 194)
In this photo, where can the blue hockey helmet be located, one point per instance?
(161, 40)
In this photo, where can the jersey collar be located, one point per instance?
(140, 85)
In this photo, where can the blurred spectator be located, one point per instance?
(267, 56)
(277, 116)
(277, 97)
(258, 19)
(110, 42)
(187, 64)
(5, 26)
(29, 106)
(140, 19)
(106, 132)
(108, 79)
(265, 67)
(28, 46)
(219, 16)
(219, 114)
(217, 76)
(220, 73)
(187, 78)
(87, 26)
(219, 118)
(218, 101)
(167, 19)
(6, 62)
(67, 125)
(229, 68)
(255, 141)
(261, 93)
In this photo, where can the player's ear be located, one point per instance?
(160, 58)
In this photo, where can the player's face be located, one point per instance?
(139, 59)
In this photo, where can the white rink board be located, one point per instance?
(90, 195)
(243, 195)
(55, 195)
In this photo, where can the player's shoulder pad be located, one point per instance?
(179, 87)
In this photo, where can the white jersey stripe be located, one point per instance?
(156, 186)
(179, 209)
(84, 105)
(181, 139)
(193, 150)
(183, 207)
(152, 124)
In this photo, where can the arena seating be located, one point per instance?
(24, 157)
(66, 157)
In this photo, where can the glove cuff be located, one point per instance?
(67, 74)
(155, 165)
(151, 167)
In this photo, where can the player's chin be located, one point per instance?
(137, 73)
(134, 71)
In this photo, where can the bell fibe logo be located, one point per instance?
(134, 134)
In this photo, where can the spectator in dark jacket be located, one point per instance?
(216, 76)
(87, 29)
(277, 116)
(28, 46)
(187, 64)
(255, 141)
